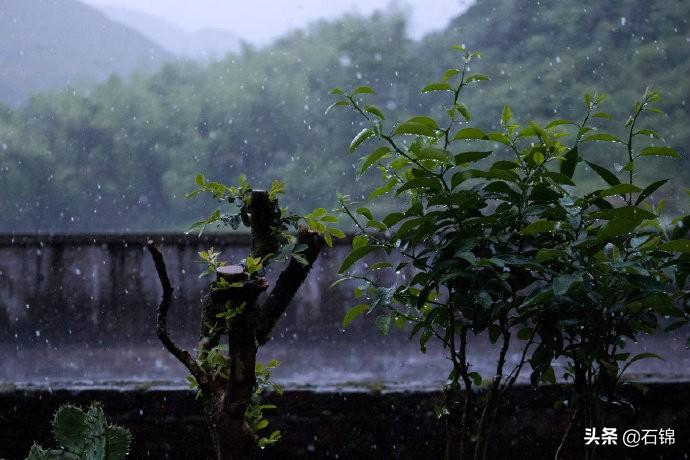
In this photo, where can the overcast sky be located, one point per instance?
(260, 21)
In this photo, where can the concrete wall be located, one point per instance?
(103, 289)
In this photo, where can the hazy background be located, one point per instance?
(260, 22)
(109, 108)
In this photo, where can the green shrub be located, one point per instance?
(501, 244)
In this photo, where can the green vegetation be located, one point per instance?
(509, 247)
(119, 157)
(84, 435)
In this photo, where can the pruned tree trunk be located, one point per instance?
(227, 395)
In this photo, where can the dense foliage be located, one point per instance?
(513, 249)
(116, 157)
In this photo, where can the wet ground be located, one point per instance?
(391, 365)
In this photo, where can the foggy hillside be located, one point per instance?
(123, 157)
(50, 44)
(203, 43)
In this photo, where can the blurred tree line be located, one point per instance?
(121, 156)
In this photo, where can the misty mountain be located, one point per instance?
(50, 44)
(201, 44)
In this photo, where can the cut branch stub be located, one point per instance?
(231, 273)
(264, 213)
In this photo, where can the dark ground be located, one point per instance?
(167, 424)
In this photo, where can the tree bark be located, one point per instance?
(231, 436)
(227, 393)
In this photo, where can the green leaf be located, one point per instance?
(359, 240)
(450, 73)
(676, 246)
(559, 122)
(375, 156)
(559, 178)
(619, 189)
(505, 165)
(199, 179)
(416, 129)
(617, 227)
(377, 225)
(648, 132)
(476, 378)
(463, 111)
(365, 212)
(476, 77)
(506, 115)
(525, 333)
(494, 333)
(299, 258)
(539, 226)
(431, 153)
(562, 284)
(379, 265)
(470, 133)
(364, 90)
(538, 157)
(547, 254)
(424, 120)
(393, 218)
(660, 152)
(363, 135)
(498, 137)
(438, 86)
(355, 255)
(336, 104)
(382, 190)
(609, 177)
(431, 183)
(539, 297)
(569, 162)
(469, 157)
(375, 111)
(354, 312)
(602, 137)
(651, 188)
(602, 115)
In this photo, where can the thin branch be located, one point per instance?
(515, 373)
(564, 439)
(162, 327)
(289, 281)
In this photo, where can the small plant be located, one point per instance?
(500, 245)
(84, 436)
(234, 323)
